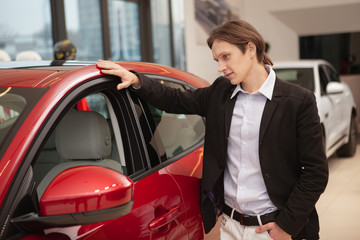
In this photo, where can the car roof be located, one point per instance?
(43, 74)
(299, 63)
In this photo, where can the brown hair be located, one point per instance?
(240, 33)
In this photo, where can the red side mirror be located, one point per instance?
(85, 189)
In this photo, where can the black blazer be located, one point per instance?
(292, 158)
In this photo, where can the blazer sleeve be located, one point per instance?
(172, 100)
(313, 175)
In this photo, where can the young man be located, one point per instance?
(264, 164)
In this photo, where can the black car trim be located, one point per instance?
(132, 137)
(140, 132)
(32, 222)
(171, 79)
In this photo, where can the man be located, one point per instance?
(264, 163)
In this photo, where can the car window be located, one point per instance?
(110, 108)
(11, 105)
(15, 104)
(327, 74)
(166, 134)
(323, 79)
(303, 77)
(333, 76)
(84, 135)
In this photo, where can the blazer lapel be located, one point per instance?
(269, 109)
(229, 108)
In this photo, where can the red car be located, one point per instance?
(81, 160)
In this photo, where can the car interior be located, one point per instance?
(303, 77)
(89, 134)
(81, 138)
(11, 105)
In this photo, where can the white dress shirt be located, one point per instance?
(244, 185)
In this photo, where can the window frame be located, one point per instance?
(163, 164)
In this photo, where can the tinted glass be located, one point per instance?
(176, 132)
(15, 104)
(333, 76)
(300, 76)
(167, 134)
(11, 105)
(323, 79)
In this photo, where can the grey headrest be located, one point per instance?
(83, 135)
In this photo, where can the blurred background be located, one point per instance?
(174, 32)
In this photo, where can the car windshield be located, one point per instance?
(15, 104)
(300, 76)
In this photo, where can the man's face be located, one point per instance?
(232, 62)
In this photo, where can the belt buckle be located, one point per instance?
(243, 218)
(265, 218)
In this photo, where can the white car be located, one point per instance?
(335, 102)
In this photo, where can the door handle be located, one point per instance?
(164, 219)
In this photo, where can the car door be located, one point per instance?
(166, 196)
(334, 103)
(342, 99)
(159, 210)
(175, 145)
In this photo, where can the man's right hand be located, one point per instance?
(127, 78)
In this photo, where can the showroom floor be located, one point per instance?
(339, 206)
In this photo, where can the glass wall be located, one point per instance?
(124, 30)
(178, 25)
(168, 32)
(160, 19)
(26, 26)
(119, 30)
(83, 25)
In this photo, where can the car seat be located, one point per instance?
(47, 159)
(82, 138)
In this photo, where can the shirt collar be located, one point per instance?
(266, 88)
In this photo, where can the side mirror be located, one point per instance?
(334, 88)
(81, 195)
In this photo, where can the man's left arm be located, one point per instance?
(314, 167)
(313, 177)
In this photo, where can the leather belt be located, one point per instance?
(248, 220)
